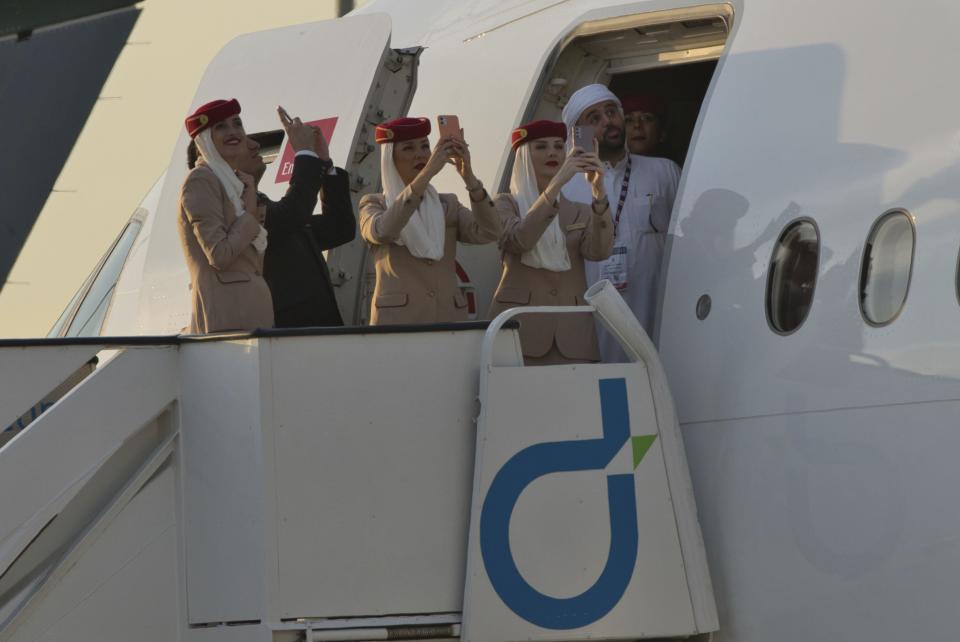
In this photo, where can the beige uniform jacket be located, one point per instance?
(227, 287)
(413, 290)
(589, 236)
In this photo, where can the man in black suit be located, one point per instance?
(294, 266)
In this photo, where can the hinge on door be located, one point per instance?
(364, 146)
(394, 62)
(359, 183)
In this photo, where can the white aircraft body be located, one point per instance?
(808, 316)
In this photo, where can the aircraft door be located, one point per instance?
(339, 74)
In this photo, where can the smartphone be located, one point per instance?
(583, 137)
(449, 127)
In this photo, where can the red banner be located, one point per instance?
(285, 164)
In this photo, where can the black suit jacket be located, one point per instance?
(293, 265)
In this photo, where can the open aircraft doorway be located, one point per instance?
(671, 55)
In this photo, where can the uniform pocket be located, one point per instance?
(233, 277)
(391, 300)
(519, 296)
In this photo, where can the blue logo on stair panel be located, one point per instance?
(557, 457)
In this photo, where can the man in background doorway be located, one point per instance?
(641, 191)
(645, 122)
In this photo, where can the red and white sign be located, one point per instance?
(285, 166)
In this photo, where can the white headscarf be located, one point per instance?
(228, 178)
(425, 233)
(550, 252)
(585, 98)
(577, 188)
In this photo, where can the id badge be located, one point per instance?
(614, 269)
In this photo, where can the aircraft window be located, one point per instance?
(793, 276)
(91, 313)
(887, 267)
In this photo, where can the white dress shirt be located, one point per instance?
(642, 230)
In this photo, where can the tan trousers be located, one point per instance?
(553, 357)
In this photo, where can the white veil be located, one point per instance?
(550, 252)
(425, 233)
(229, 180)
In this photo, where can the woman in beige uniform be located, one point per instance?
(413, 231)
(545, 240)
(220, 226)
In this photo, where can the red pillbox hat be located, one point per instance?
(537, 129)
(643, 102)
(210, 114)
(401, 129)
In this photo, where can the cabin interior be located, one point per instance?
(670, 54)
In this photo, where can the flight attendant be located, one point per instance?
(545, 240)
(413, 231)
(221, 227)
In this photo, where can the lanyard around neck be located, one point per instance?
(624, 188)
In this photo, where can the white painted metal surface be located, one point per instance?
(73, 444)
(561, 531)
(123, 317)
(224, 474)
(830, 145)
(278, 506)
(28, 374)
(373, 497)
(67, 472)
(613, 312)
(221, 493)
(583, 522)
(127, 579)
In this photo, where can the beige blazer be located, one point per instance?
(413, 290)
(589, 236)
(226, 283)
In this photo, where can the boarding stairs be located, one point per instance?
(345, 484)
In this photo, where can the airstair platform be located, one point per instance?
(344, 484)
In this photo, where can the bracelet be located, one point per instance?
(483, 195)
(479, 185)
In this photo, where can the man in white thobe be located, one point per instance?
(641, 191)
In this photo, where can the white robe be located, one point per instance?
(653, 181)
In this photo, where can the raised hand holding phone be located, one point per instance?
(302, 137)
(583, 137)
(448, 127)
